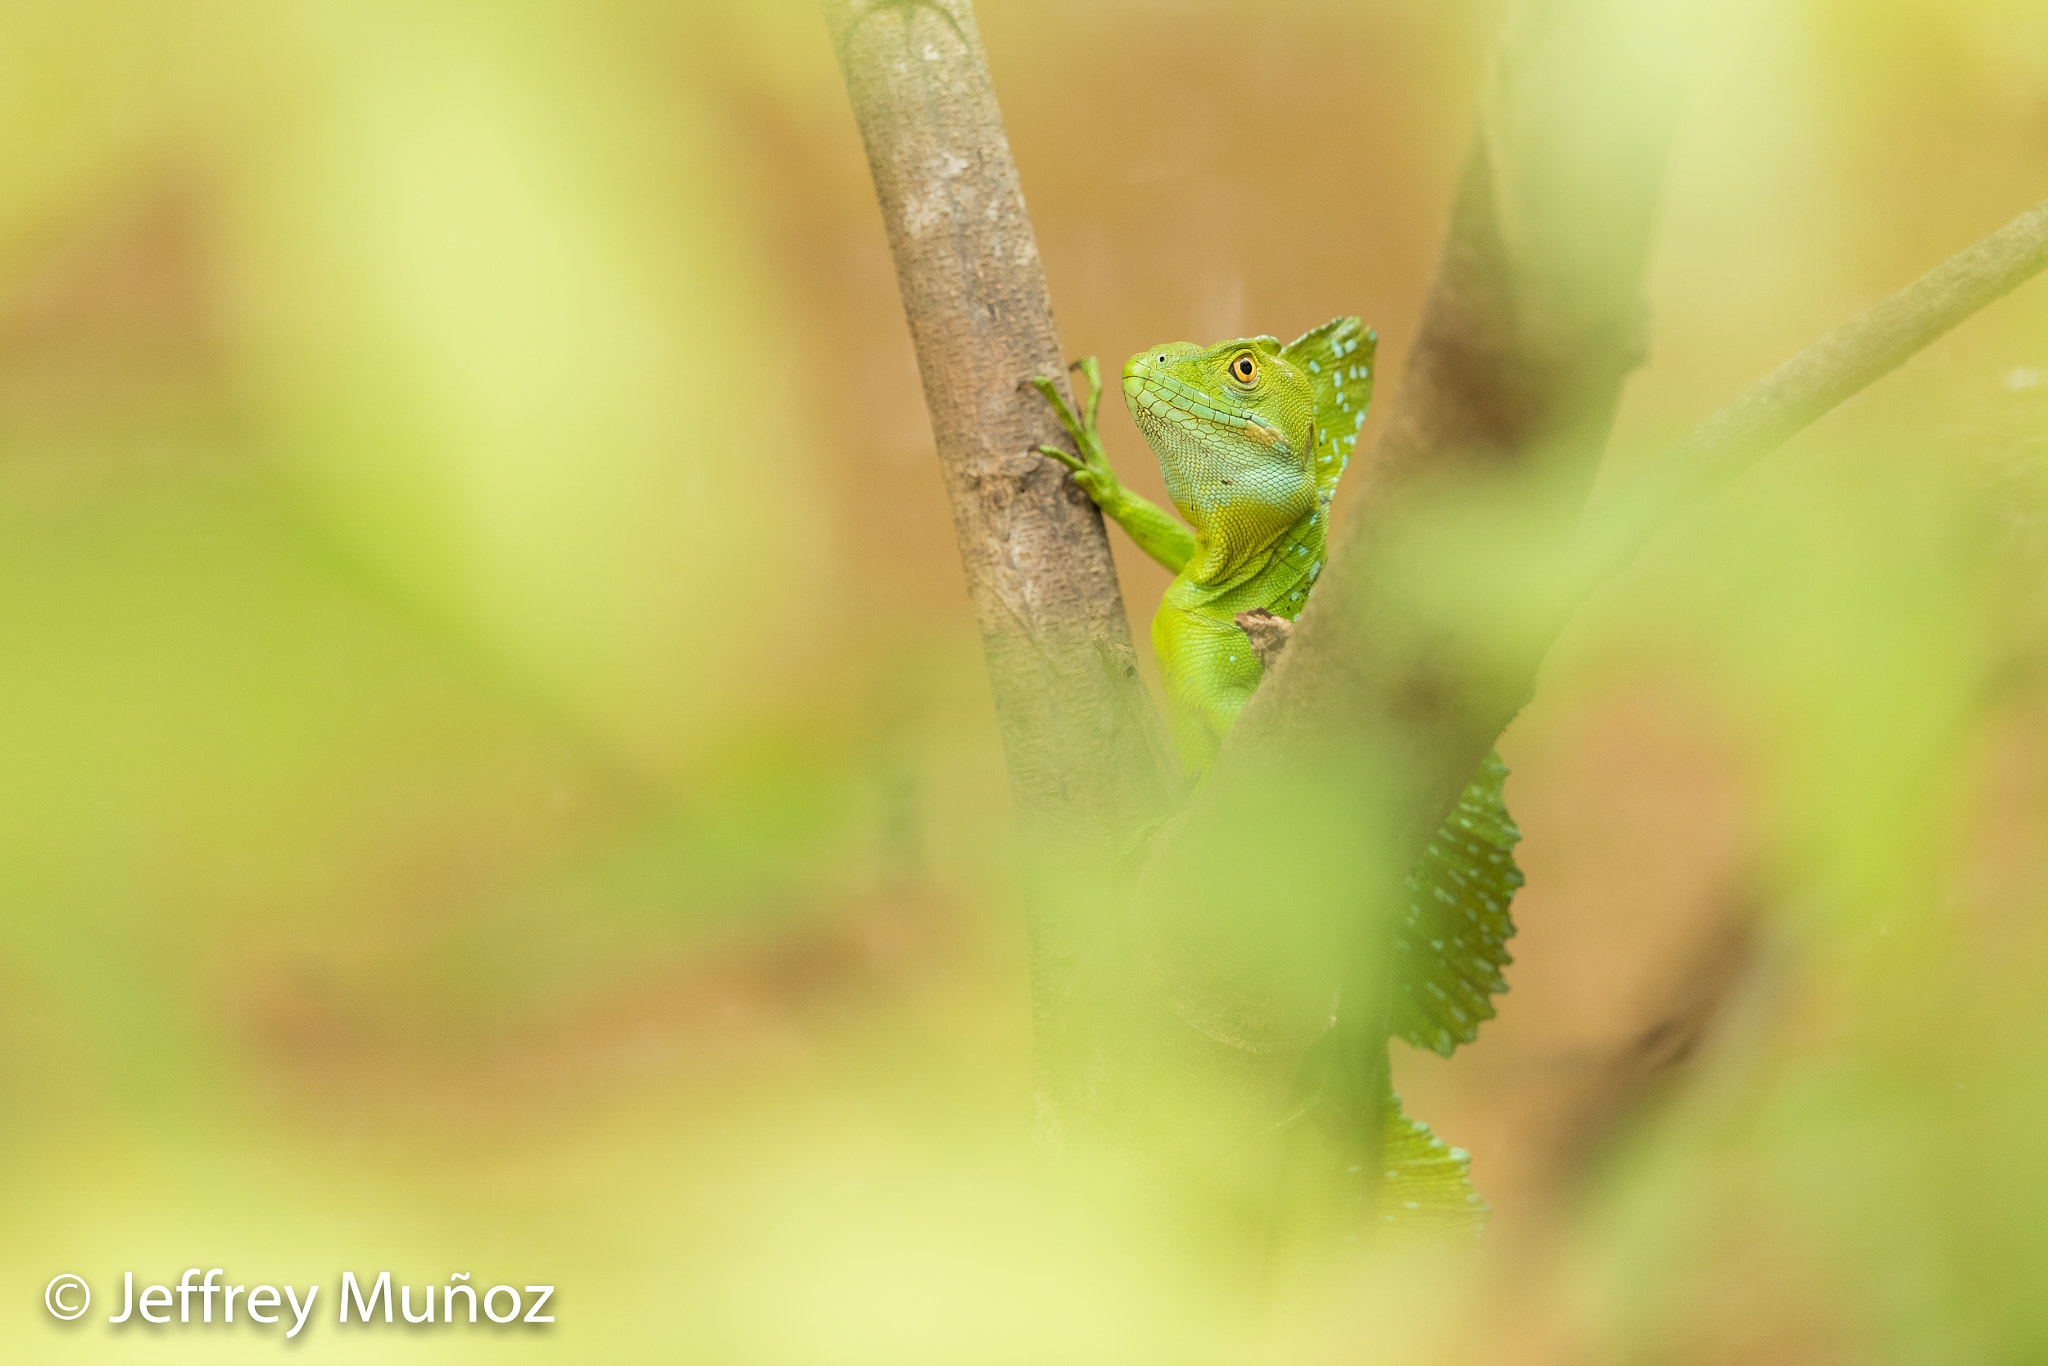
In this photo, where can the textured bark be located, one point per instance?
(1078, 732)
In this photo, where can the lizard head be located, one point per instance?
(1233, 426)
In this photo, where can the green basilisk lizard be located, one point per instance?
(1252, 437)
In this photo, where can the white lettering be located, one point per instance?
(492, 1294)
(300, 1321)
(359, 1302)
(127, 1297)
(381, 1290)
(448, 1300)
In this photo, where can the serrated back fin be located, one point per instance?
(1425, 1187)
(1451, 943)
(1339, 358)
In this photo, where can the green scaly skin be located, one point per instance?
(1252, 437)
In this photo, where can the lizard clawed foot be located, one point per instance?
(1090, 467)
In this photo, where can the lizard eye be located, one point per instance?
(1244, 369)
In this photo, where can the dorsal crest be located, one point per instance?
(1338, 358)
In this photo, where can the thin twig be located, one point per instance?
(1806, 387)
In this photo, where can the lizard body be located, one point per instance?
(1252, 437)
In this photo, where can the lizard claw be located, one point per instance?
(1091, 372)
(1090, 466)
(1049, 390)
(1081, 429)
(1268, 633)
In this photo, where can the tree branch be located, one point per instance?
(1077, 725)
(1806, 387)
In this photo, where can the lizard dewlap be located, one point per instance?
(1252, 437)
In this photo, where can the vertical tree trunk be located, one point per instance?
(1077, 727)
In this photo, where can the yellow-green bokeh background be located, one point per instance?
(495, 773)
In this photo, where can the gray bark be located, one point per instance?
(1078, 731)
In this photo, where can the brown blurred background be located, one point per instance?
(495, 775)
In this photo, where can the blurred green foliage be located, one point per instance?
(494, 773)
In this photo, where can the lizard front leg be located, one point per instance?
(1157, 532)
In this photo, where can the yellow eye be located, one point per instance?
(1244, 369)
